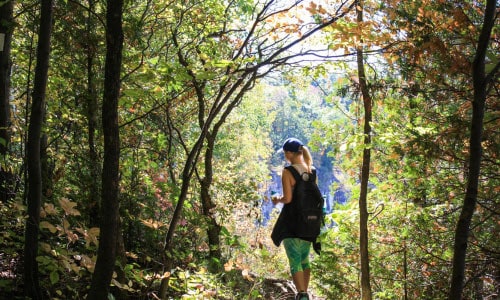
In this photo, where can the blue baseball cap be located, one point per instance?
(292, 145)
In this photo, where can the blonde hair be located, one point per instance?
(307, 157)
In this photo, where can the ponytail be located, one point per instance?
(307, 158)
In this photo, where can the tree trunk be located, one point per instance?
(92, 112)
(186, 178)
(109, 216)
(366, 293)
(31, 276)
(222, 107)
(121, 261)
(480, 82)
(6, 30)
(213, 229)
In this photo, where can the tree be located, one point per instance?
(184, 66)
(481, 84)
(220, 80)
(92, 109)
(109, 209)
(229, 76)
(418, 134)
(6, 30)
(31, 276)
(366, 292)
(437, 76)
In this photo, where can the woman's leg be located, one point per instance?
(299, 281)
(305, 250)
(297, 251)
(307, 276)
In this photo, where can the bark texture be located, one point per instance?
(6, 29)
(31, 274)
(480, 83)
(109, 210)
(366, 293)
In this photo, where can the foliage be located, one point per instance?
(422, 104)
(12, 232)
(419, 56)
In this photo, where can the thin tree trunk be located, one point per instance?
(224, 97)
(186, 178)
(213, 229)
(405, 258)
(6, 30)
(92, 111)
(480, 82)
(121, 261)
(366, 293)
(7, 181)
(31, 275)
(187, 173)
(109, 217)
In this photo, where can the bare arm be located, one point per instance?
(288, 182)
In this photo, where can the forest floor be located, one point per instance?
(281, 289)
(266, 288)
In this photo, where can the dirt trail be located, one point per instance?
(280, 289)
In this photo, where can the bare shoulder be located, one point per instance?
(288, 176)
(286, 173)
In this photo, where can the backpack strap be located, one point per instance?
(295, 173)
(298, 176)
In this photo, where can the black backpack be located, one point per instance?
(307, 205)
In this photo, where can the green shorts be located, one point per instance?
(297, 251)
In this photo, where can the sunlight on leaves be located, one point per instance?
(246, 274)
(69, 207)
(50, 209)
(49, 226)
(154, 224)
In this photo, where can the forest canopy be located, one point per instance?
(139, 147)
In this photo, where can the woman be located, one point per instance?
(297, 249)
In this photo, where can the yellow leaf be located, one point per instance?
(228, 266)
(69, 207)
(93, 233)
(116, 283)
(87, 262)
(152, 223)
(75, 268)
(45, 247)
(49, 226)
(246, 274)
(50, 209)
(66, 225)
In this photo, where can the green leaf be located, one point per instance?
(54, 277)
(222, 63)
(203, 75)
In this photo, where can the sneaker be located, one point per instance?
(302, 296)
